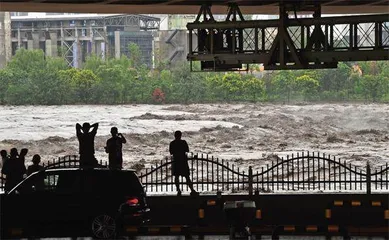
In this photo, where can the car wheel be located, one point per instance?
(104, 227)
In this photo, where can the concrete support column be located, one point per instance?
(19, 39)
(62, 39)
(30, 44)
(79, 55)
(103, 50)
(75, 54)
(35, 40)
(7, 32)
(49, 50)
(117, 44)
(54, 44)
(92, 43)
(98, 50)
(5, 38)
(2, 41)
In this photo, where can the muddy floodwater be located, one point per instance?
(247, 134)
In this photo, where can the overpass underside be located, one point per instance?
(289, 42)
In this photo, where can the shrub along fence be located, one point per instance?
(305, 171)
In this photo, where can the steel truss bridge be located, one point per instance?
(289, 42)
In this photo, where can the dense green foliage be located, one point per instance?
(32, 78)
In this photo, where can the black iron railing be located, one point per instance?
(304, 171)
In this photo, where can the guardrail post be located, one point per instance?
(368, 178)
(250, 181)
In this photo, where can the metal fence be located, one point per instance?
(306, 171)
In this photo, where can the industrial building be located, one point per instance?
(76, 36)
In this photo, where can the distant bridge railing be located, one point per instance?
(304, 171)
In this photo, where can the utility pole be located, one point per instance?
(5, 39)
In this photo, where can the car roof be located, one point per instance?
(87, 169)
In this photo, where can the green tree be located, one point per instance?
(374, 86)
(6, 78)
(307, 86)
(335, 82)
(93, 63)
(27, 60)
(66, 78)
(284, 83)
(135, 55)
(111, 87)
(187, 86)
(254, 86)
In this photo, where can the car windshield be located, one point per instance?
(35, 181)
(50, 181)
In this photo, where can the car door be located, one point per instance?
(23, 207)
(63, 209)
(101, 192)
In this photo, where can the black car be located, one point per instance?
(73, 202)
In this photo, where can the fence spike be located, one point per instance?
(368, 178)
(238, 178)
(228, 176)
(387, 170)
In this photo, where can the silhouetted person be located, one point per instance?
(114, 149)
(35, 167)
(178, 148)
(4, 156)
(14, 169)
(86, 141)
(22, 156)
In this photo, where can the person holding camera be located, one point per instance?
(114, 149)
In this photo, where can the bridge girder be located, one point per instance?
(286, 43)
(188, 6)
